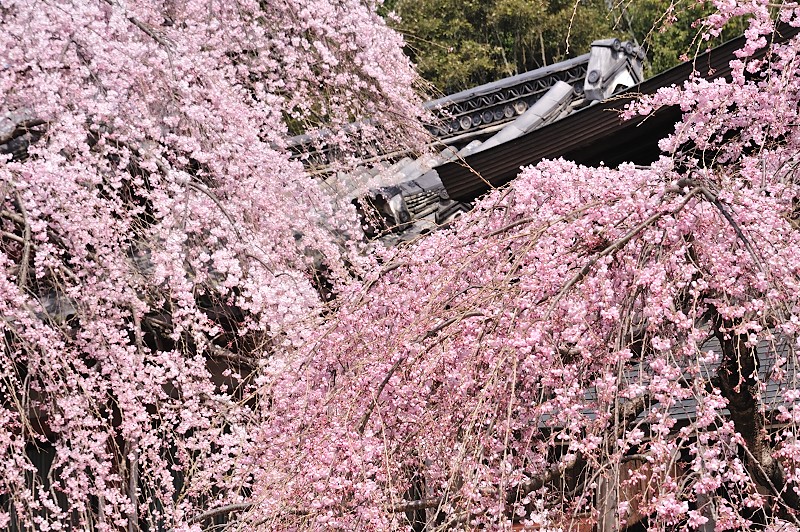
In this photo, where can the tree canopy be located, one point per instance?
(588, 346)
(157, 240)
(671, 31)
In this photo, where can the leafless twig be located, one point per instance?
(22, 278)
(222, 510)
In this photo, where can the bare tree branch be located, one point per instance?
(222, 510)
(19, 129)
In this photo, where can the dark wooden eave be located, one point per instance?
(592, 135)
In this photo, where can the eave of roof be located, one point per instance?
(510, 81)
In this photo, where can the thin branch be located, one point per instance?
(413, 506)
(22, 221)
(780, 494)
(365, 418)
(22, 278)
(739, 233)
(213, 350)
(222, 510)
(512, 225)
(389, 267)
(615, 246)
(133, 484)
(20, 129)
(146, 28)
(450, 321)
(569, 216)
(219, 205)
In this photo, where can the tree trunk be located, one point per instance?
(737, 378)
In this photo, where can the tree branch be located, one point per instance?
(739, 233)
(553, 472)
(146, 28)
(230, 356)
(20, 129)
(22, 277)
(363, 424)
(413, 506)
(12, 236)
(618, 245)
(628, 413)
(222, 510)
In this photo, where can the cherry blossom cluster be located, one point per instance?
(562, 324)
(158, 241)
(587, 346)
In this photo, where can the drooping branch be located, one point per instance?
(550, 474)
(365, 419)
(22, 277)
(145, 28)
(222, 510)
(619, 244)
(628, 413)
(736, 227)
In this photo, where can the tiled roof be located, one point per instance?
(773, 383)
(592, 134)
(409, 195)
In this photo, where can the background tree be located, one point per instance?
(458, 45)
(670, 30)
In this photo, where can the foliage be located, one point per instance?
(588, 346)
(156, 240)
(457, 45)
(166, 344)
